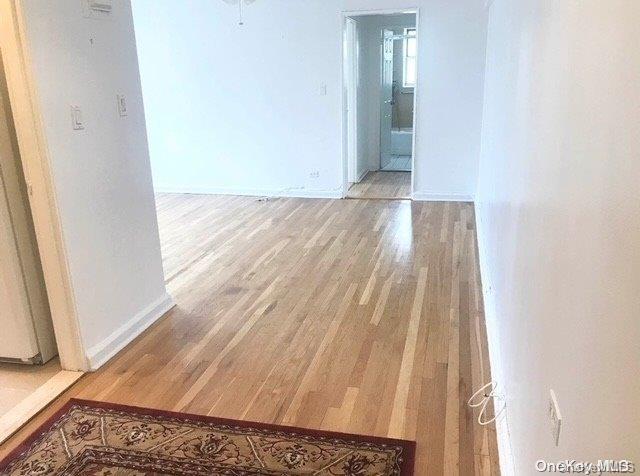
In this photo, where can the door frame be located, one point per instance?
(351, 81)
(34, 156)
(344, 95)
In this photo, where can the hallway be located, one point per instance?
(383, 185)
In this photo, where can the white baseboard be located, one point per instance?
(102, 352)
(288, 193)
(507, 466)
(363, 175)
(442, 197)
(305, 193)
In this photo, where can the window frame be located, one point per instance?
(405, 57)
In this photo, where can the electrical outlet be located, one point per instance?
(555, 416)
(315, 174)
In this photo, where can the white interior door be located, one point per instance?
(386, 98)
(17, 339)
(351, 82)
(25, 319)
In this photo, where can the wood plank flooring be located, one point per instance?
(26, 391)
(362, 316)
(381, 184)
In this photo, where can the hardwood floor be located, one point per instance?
(27, 389)
(362, 316)
(380, 184)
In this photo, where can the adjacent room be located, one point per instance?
(380, 68)
(332, 237)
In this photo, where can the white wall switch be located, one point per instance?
(555, 416)
(122, 105)
(323, 90)
(76, 119)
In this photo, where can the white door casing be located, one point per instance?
(351, 83)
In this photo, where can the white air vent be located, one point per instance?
(98, 9)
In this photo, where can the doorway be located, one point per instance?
(380, 82)
(31, 374)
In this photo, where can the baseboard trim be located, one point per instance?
(304, 193)
(363, 175)
(114, 343)
(505, 452)
(284, 193)
(441, 197)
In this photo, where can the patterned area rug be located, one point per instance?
(95, 438)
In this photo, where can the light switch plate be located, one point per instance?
(122, 105)
(76, 119)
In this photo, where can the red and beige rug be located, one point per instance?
(95, 438)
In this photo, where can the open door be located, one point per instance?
(24, 309)
(351, 84)
(386, 98)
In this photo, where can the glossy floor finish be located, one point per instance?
(381, 184)
(360, 316)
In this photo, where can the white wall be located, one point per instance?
(559, 218)
(240, 109)
(101, 175)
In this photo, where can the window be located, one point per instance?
(409, 58)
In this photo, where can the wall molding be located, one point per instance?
(505, 452)
(285, 193)
(304, 193)
(117, 340)
(363, 175)
(442, 197)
